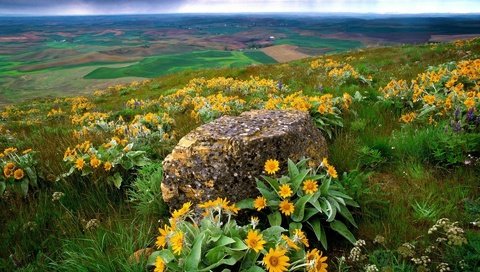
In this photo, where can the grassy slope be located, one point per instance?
(387, 195)
(166, 64)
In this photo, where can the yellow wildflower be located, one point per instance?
(254, 240)
(162, 238)
(429, 99)
(276, 260)
(285, 191)
(18, 174)
(272, 166)
(95, 162)
(331, 171)
(107, 166)
(177, 242)
(260, 203)
(159, 264)
(286, 207)
(469, 103)
(182, 211)
(310, 186)
(290, 243)
(79, 163)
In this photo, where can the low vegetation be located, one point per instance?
(399, 192)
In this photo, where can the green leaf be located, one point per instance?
(325, 187)
(215, 254)
(292, 169)
(309, 212)
(245, 203)
(347, 215)
(224, 240)
(140, 161)
(332, 212)
(239, 244)
(230, 261)
(273, 182)
(126, 164)
(297, 180)
(299, 211)
(3, 186)
(166, 255)
(294, 226)
(193, 259)
(352, 203)
(255, 269)
(117, 180)
(265, 191)
(135, 154)
(339, 194)
(334, 202)
(32, 175)
(275, 218)
(317, 206)
(24, 186)
(319, 231)
(339, 227)
(272, 233)
(249, 260)
(316, 226)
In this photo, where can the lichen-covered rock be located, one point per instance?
(222, 158)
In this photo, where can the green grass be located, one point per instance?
(167, 64)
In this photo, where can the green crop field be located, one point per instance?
(166, 64)
(332, 45)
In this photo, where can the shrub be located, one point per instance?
(445, 92)
(306, 196)
(216, 241)
(111, 158)
(18, 170)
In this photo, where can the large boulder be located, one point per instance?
(222, 158)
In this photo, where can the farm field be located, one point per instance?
(34, 49)
(167, 64)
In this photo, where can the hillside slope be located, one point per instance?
(89, 193)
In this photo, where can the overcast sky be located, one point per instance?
(89, 7)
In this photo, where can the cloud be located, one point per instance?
(66, 7)
(59, 7)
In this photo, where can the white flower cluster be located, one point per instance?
(443, 267)
(454, 234)
(406, 250)
(424, 261)
(371, 268)
(379, 239)
(56, 196)
(92, 224)
(356, 252)
(360, 243)
(430, 249)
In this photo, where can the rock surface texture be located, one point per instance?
(222, 158)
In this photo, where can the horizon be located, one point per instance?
(146, 7)
(325, 14)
